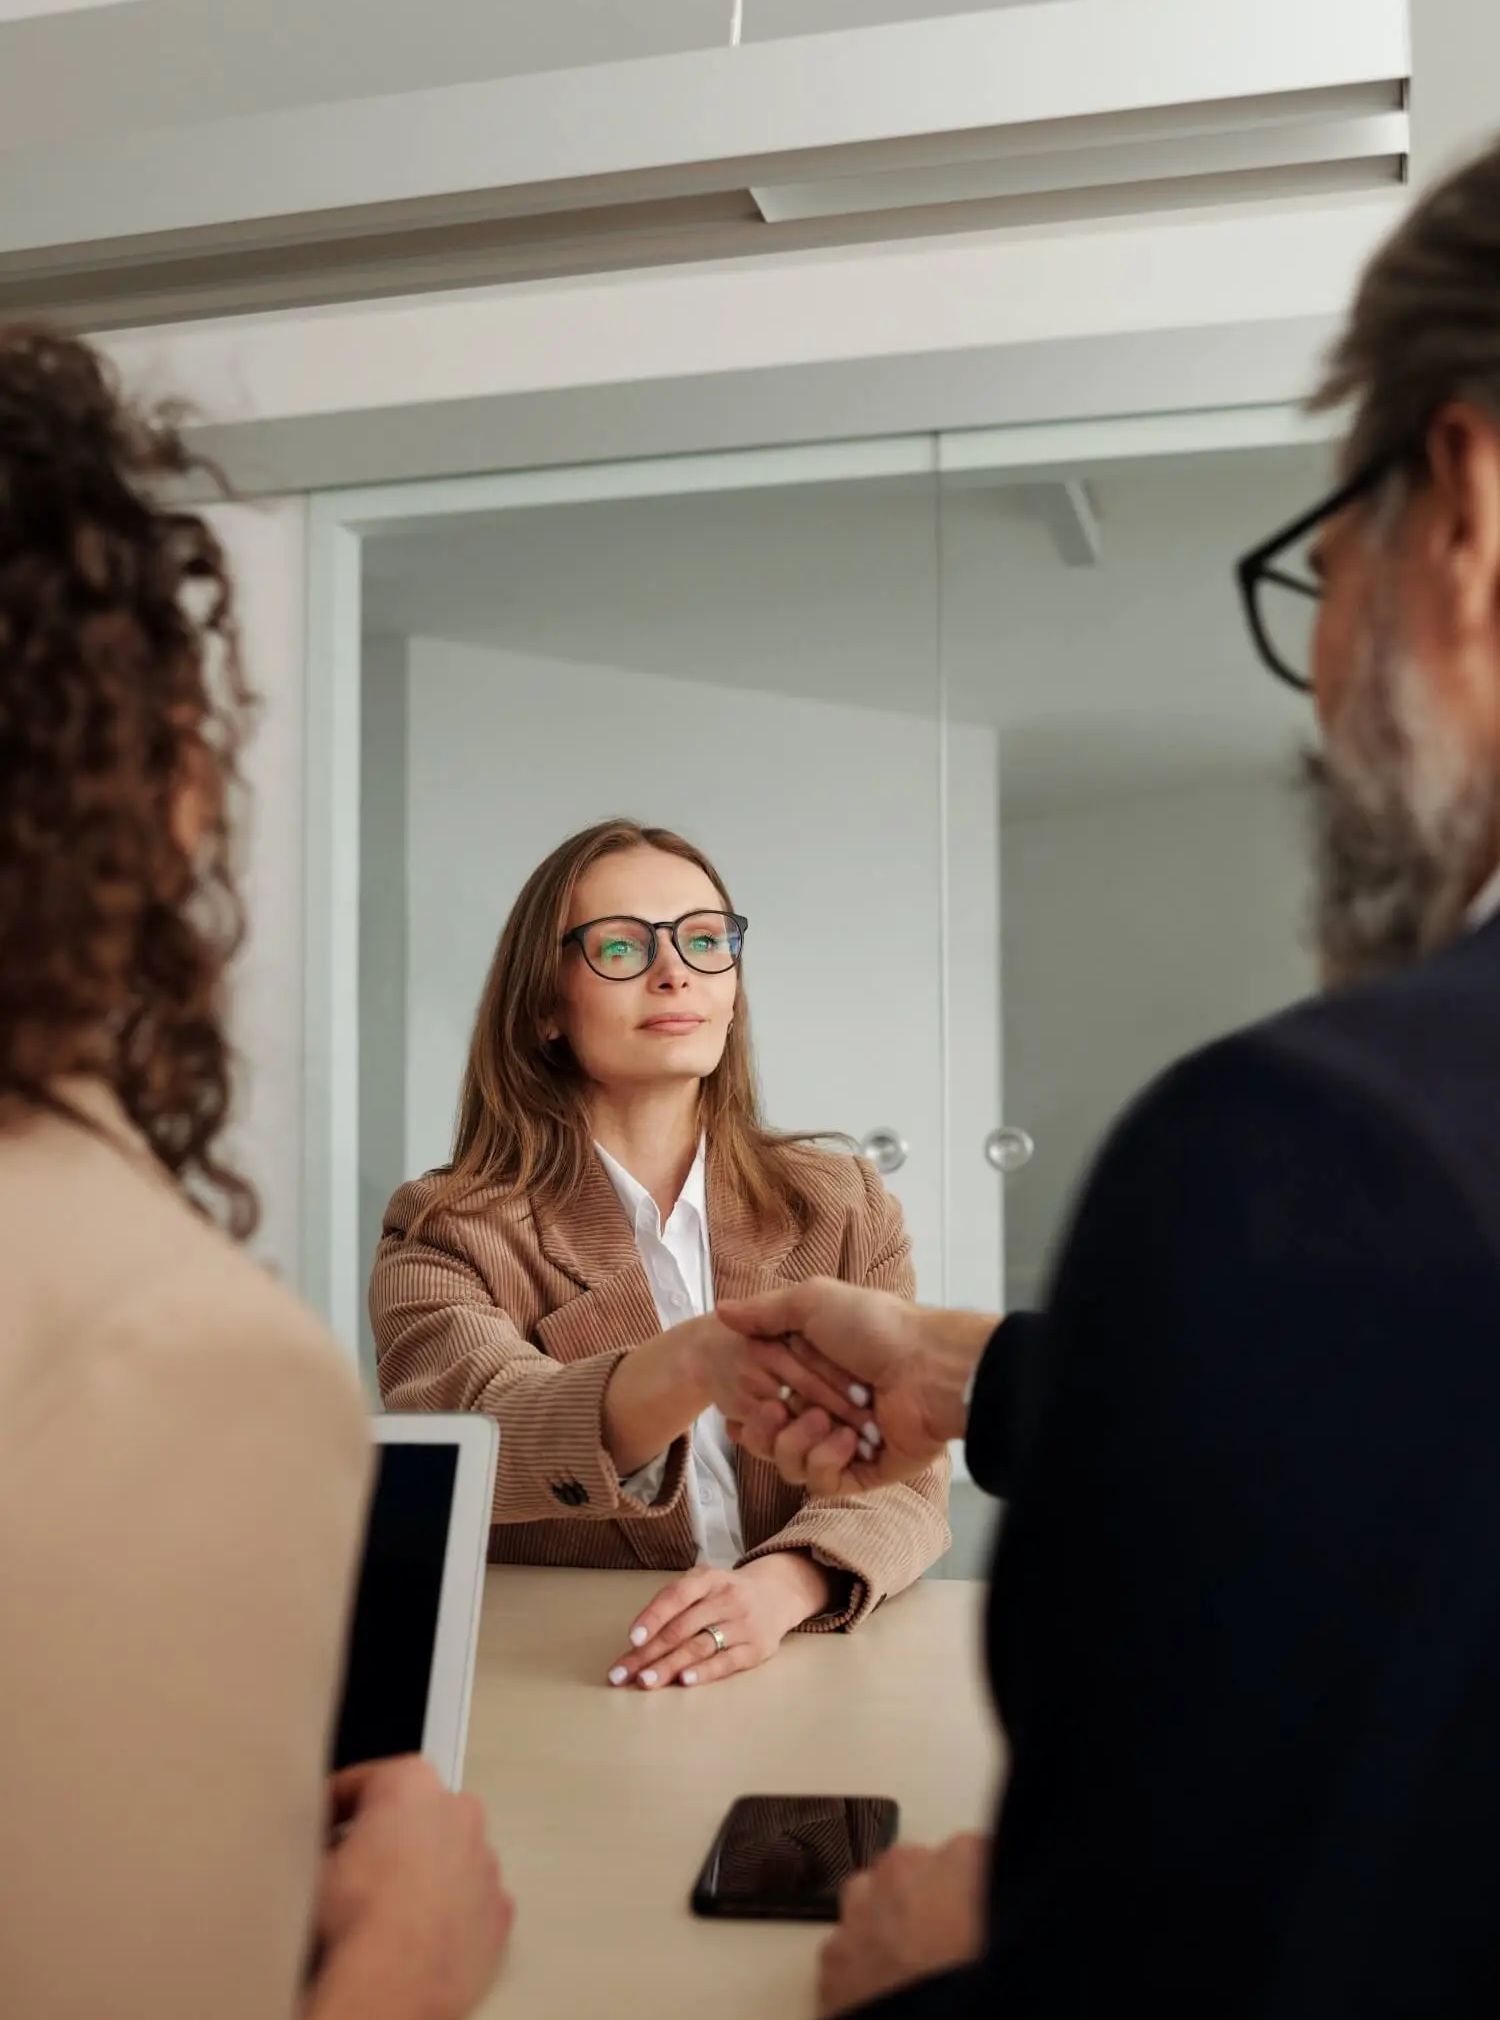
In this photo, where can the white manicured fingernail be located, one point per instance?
(638, 1637)
(619, 1674)
(859, 1395)
(689, 1677)
(871, 1434)
(867, 1453)
(650, 1678)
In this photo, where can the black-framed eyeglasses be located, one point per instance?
(1282, 587)
(621, 949)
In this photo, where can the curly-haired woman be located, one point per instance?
(182, 1456)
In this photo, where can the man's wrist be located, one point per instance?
(951, 1346)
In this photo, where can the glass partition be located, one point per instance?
(1151, 867)
(753, 664)
(971, 726)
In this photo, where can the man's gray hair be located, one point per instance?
(1426, 322)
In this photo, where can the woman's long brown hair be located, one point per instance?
(121, 697)
(523, 1122)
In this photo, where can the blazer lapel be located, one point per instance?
(592, 1241)
(594, 1244)
(746, 1259)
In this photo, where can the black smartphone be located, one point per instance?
(784, 1858)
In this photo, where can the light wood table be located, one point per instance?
(603, 1802)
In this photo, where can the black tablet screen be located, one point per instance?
(389, 1664)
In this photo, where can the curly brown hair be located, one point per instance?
(122, 710)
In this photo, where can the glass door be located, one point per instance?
(1146, 868)
(969, 724)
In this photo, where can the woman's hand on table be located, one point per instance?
(754, 1609)
(917, 1911)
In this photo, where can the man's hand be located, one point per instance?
(738, 1375)
(754, 1608)
(412, 1918)
(908, 1365)
(914, 1913)
(659, 1389)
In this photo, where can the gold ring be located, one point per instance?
(717, 1636)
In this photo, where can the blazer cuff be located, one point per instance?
(553, 1461)
(850, 1598)
(875, 1544)
(646, 1482)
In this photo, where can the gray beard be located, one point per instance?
(1404, 824)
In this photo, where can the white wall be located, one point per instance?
(1135, 930)
(824, 820)
(266, 543)
(1455, 82)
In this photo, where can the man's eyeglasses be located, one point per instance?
(1282, 587)
(621, 949)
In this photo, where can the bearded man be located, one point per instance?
(1245, 1624)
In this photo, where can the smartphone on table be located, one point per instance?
(785, 1858)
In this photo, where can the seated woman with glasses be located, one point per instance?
(611, 1177)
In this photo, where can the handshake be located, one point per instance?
(841, 1388)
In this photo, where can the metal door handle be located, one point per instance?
(1009, 1150)
(886, 1149)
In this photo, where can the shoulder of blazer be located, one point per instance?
(855, 1214)
(509, 1220)
(843, 1183)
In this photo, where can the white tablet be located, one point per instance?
(414, 1635)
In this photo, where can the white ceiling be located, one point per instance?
(152, 63)
(1135, 675)
(22, 10)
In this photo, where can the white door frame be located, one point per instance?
(338, 524)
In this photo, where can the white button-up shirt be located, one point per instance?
(676, 1261)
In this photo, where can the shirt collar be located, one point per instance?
(641, 1208)
(694, 1194)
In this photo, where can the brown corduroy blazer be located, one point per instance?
(525, 1316)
